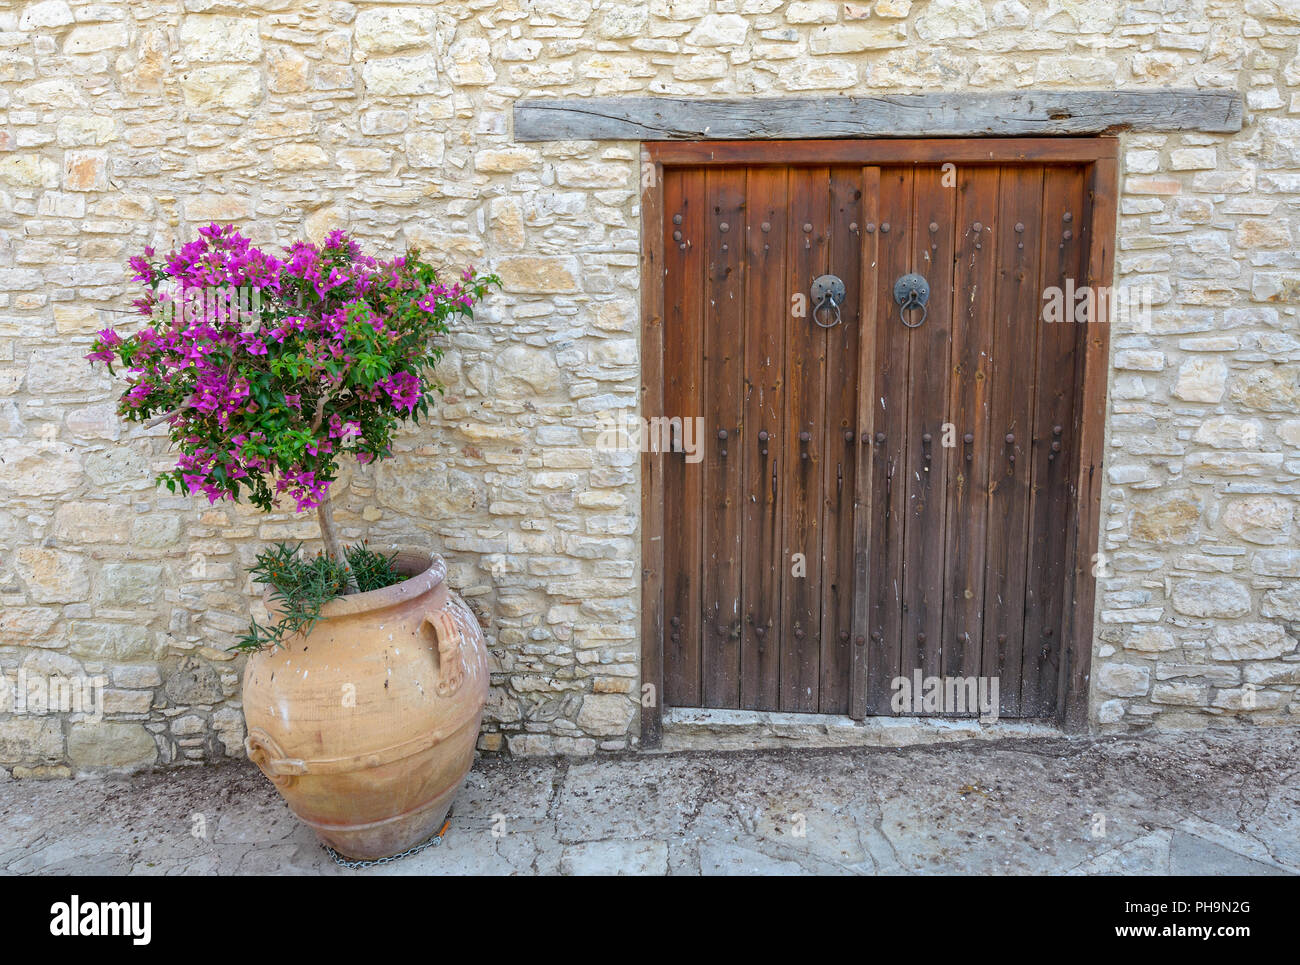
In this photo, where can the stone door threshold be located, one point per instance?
(692, 729)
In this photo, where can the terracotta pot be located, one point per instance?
(367, 725)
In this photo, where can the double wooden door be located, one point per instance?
(867, 494)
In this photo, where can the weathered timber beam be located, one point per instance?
(1041, 113)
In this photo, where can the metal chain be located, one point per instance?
(343, 862)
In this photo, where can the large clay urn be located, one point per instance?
(367, 725)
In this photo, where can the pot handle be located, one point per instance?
(451, 662)
(263, 751)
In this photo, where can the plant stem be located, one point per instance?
(160, 419)
(333, 547)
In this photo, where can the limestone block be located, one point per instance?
(1202, 380)
(1217, 597)
(390, 29)
(110, 744)
(207, 38)
(52, 576)
(213, 88)
(606, 715)
(1124, 680)
(1250, 641)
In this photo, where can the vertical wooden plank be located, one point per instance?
(684, 204)
(840, 442)
(724, 453)
(968, 412)
(767, 317)
(924, 465)
(1013, 369)
(805, 366)
(869, 287)
(1054, 409)
(889, 398)
(652, 462)
(1103, 187)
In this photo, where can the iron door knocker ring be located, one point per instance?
(827, 288)
(912, 291)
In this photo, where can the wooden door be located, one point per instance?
(867, 499)
(759, 581)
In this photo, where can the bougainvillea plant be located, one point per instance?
(270, 370)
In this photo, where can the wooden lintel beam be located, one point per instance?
(1015, 114)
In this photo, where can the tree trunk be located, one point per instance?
(333, 546)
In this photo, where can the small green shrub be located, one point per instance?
(300, 586)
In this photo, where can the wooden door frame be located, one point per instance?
(1099, 154)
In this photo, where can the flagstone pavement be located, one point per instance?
(1211, 802)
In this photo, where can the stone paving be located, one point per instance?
(126, 123)
(1202, 803)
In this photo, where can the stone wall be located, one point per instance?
(126, 124)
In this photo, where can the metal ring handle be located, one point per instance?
(911, 303)
(818, 308)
